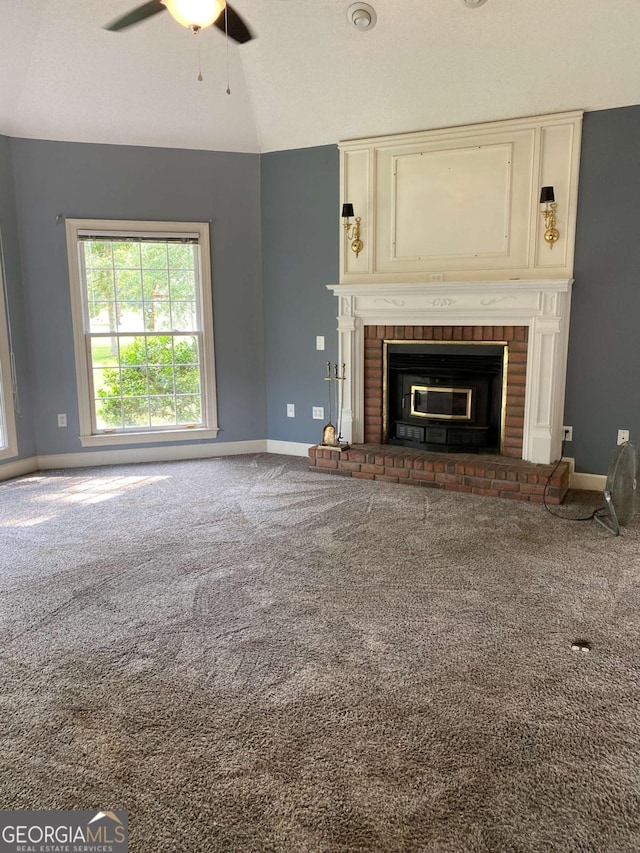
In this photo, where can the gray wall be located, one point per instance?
(300, 234)
(604, 341)
(289, 200)
(126, 182)
(300, 255)
(9, 228)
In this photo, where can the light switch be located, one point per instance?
(319, 341)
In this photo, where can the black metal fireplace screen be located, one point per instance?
(445, 396)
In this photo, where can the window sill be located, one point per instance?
(160, 437)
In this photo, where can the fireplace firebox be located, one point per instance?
(445, 397)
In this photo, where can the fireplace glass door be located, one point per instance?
(445, 397)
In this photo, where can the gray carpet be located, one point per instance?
(250, 657)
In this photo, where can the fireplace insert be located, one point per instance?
(445, 397)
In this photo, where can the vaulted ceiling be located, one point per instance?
(310, 77)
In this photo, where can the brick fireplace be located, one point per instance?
(530, 317)
(516, 338)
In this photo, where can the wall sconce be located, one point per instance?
(547, 197)
(352, 230)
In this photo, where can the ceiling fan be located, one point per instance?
(194, 14)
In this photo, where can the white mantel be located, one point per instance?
(543, 306)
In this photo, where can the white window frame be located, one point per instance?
(137, 228)
(7, 414)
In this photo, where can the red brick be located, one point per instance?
(453, 488)
(350, 466)
(362, 475)
(384, 478)
(488, 493)
(397, 472)
(477, 482)
(505, 486)
(428, 476)
(529, 489)
(515, 496)
(372, 469)
(447, 478)
(327, 463)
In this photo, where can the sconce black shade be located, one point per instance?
(546, 195)
(347, 210)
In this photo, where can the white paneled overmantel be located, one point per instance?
(543, 306)
(462, 203)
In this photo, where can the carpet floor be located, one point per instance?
(250, 657)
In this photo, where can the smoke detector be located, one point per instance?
(473, 4)
(362, 16)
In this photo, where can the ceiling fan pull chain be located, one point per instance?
(199, 63)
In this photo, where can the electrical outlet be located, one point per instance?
(319, 341)
(291, 410)
(62, 420)
(318, 413)
(623, 436)
(567, 433)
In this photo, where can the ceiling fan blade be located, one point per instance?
(234, 25)
(136, 15)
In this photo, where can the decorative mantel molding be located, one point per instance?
(543, 306)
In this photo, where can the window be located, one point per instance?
(8, 440)
(143, 328)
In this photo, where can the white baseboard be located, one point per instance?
(9, 470)
(150, 454)
(288, 448)
(590, 482)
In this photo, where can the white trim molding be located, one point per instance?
(542, 305)
(9, 447)
(90, 435)
(588, 482)
(288, 448)
(18, 468)
(149, 454)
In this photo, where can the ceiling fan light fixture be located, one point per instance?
(195, 13)
(473, 4)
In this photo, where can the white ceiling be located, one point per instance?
(310, 78)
